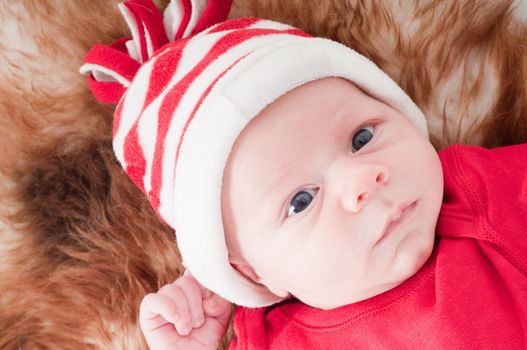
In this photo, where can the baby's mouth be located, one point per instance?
(398, 217)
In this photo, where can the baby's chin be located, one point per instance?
(410, 260)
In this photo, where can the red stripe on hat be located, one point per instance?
(134, 157)
(173, 98)
(162, 71)
(187, 10)
(156, 182)
(239, 23)
(215, 12)
(164, 68)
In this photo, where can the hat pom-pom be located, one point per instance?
(184, 18)
(111, 68)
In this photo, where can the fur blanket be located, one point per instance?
(80, 245)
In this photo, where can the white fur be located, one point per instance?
(519, 10)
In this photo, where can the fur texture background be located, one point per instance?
(80, 245)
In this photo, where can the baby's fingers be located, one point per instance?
(154, 306)
(177, 297)
(192, 291)
(211, 304)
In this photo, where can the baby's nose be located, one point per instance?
(360, 185)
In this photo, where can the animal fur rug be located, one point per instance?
(80, 245)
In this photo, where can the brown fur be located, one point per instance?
(79, 244)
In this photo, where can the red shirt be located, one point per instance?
(470, 294)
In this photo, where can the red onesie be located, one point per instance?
(470, 294)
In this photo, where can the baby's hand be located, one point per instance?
(184, 315)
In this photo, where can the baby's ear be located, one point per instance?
(245, 269)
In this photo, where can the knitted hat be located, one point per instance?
(185, 86)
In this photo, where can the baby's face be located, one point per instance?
(331, 196)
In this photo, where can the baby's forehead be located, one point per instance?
(312, 113)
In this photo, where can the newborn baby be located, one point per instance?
(302, 187)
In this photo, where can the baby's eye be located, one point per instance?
(361, 138)
(301, 201)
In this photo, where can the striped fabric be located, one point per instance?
(185, 85)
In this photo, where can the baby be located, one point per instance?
(296, 174)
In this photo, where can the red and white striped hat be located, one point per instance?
(185, 85)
